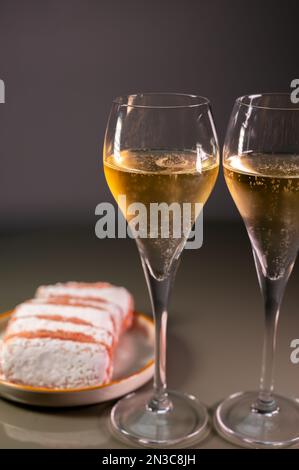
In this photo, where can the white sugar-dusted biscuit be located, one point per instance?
(55, 363)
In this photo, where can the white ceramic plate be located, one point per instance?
(133, 367)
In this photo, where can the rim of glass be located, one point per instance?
(195, 101)
(292, 107)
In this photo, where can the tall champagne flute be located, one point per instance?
(160, 148)
(261, 167)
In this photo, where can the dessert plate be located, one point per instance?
(133, 367)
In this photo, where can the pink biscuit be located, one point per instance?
(101, 292)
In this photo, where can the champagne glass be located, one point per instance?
(261, 167)
(160, 148)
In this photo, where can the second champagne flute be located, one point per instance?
(261, 167)
(160, 148)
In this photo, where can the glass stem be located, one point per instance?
(159, 291)
(272, 291)
(266, 401)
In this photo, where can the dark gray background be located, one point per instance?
(64, 61)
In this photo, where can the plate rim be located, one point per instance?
(44, 390)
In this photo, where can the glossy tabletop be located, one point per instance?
(215, 323)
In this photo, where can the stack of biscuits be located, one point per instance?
(65, 337)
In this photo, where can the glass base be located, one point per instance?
(185, 423)
(238, 422)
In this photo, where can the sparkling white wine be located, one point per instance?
(161, 176)
(265, 188)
